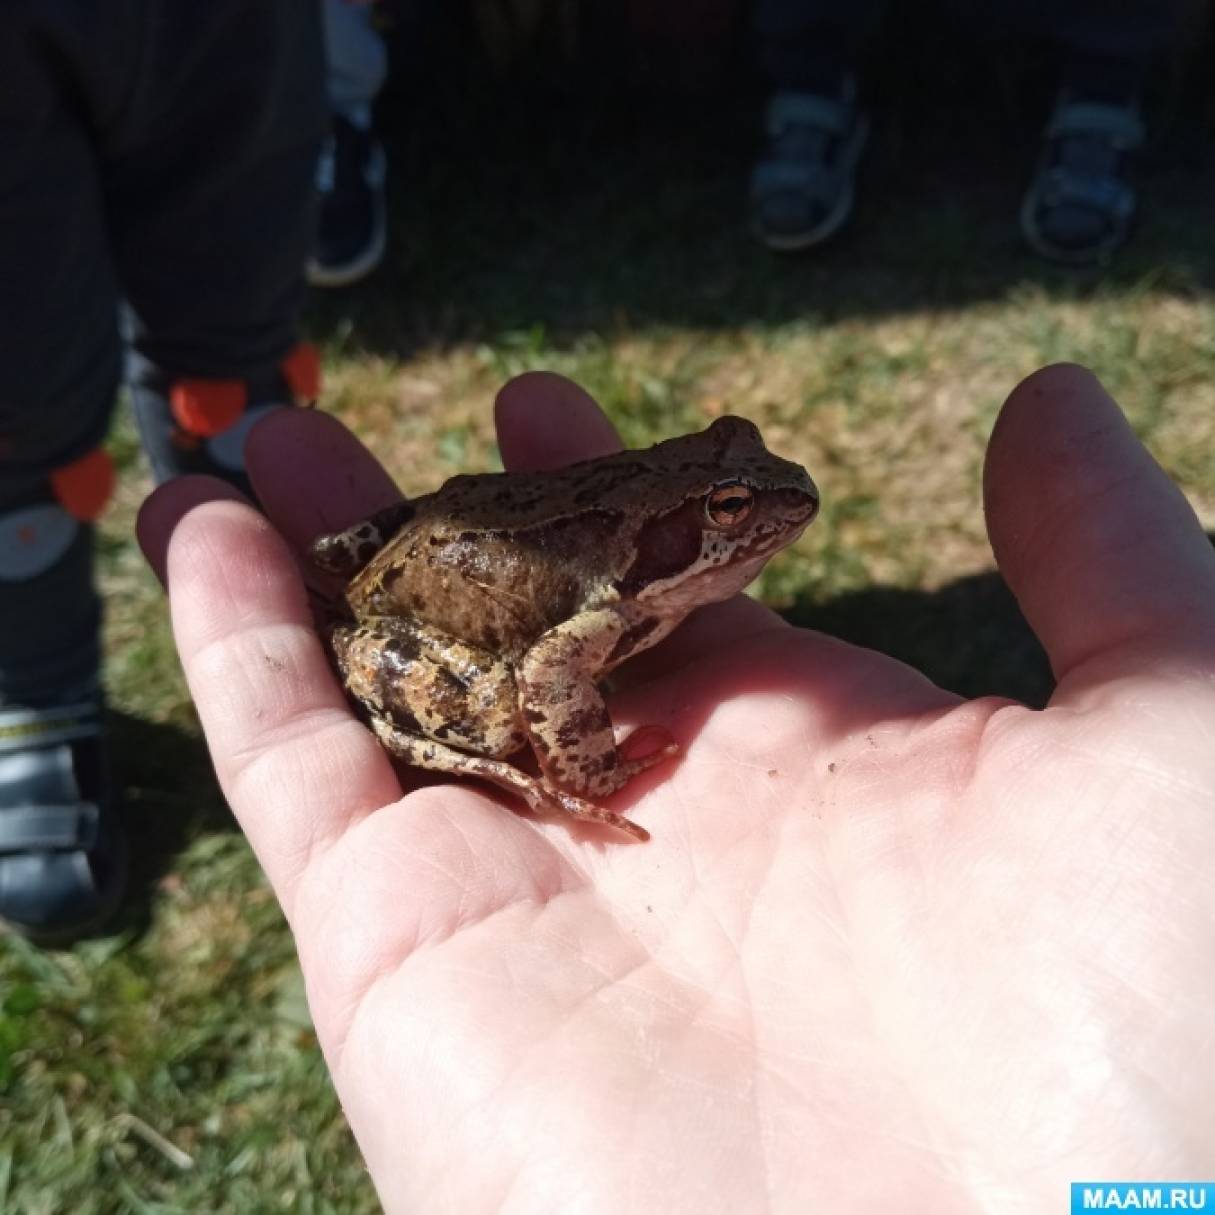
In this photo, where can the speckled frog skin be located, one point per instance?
(478, 619)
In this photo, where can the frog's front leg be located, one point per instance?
(566, 717)
(346, 552)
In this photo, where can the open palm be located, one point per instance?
(887, 949)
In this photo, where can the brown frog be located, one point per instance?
(479, 618)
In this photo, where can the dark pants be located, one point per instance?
(160, 152)
(808, 44)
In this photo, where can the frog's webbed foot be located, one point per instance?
(586, 811)
(438, 757)
(642, 750)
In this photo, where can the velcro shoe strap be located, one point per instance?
(26, 729)
(48, 828)
(1120, 124)
(828, 114)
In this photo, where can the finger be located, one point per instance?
(547, 421)
(163, 509)
(296, 767)
(1103, 552)
(313, 476)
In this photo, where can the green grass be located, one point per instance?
(170, 1067)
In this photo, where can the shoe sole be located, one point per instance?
(320, 275)
(1102, 255)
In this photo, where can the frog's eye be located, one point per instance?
(728, 505)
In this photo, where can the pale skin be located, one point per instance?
(887, 950)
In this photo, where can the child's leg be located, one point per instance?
(60, 852)
(209, 186)
(169, 147)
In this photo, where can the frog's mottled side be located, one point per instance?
(480, 617)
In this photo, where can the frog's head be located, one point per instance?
(729, 505)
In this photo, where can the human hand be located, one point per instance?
(887, 950)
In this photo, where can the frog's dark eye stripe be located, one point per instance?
(729, 504)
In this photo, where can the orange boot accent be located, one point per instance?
(207, 407)
(84, 487)
(302, 371)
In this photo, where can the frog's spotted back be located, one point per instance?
(642, 480)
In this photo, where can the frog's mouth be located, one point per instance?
(706, 584)
(768, 541)
(720, 572)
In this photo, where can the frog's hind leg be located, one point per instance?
(438, 757)
(568, 723)
(430, 683)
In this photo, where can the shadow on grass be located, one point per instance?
(170, 796)
(522, 216)
(968, 637)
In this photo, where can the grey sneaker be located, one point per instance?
(1080, 203)
(353, 223)
(803, 185)
(63, 852)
